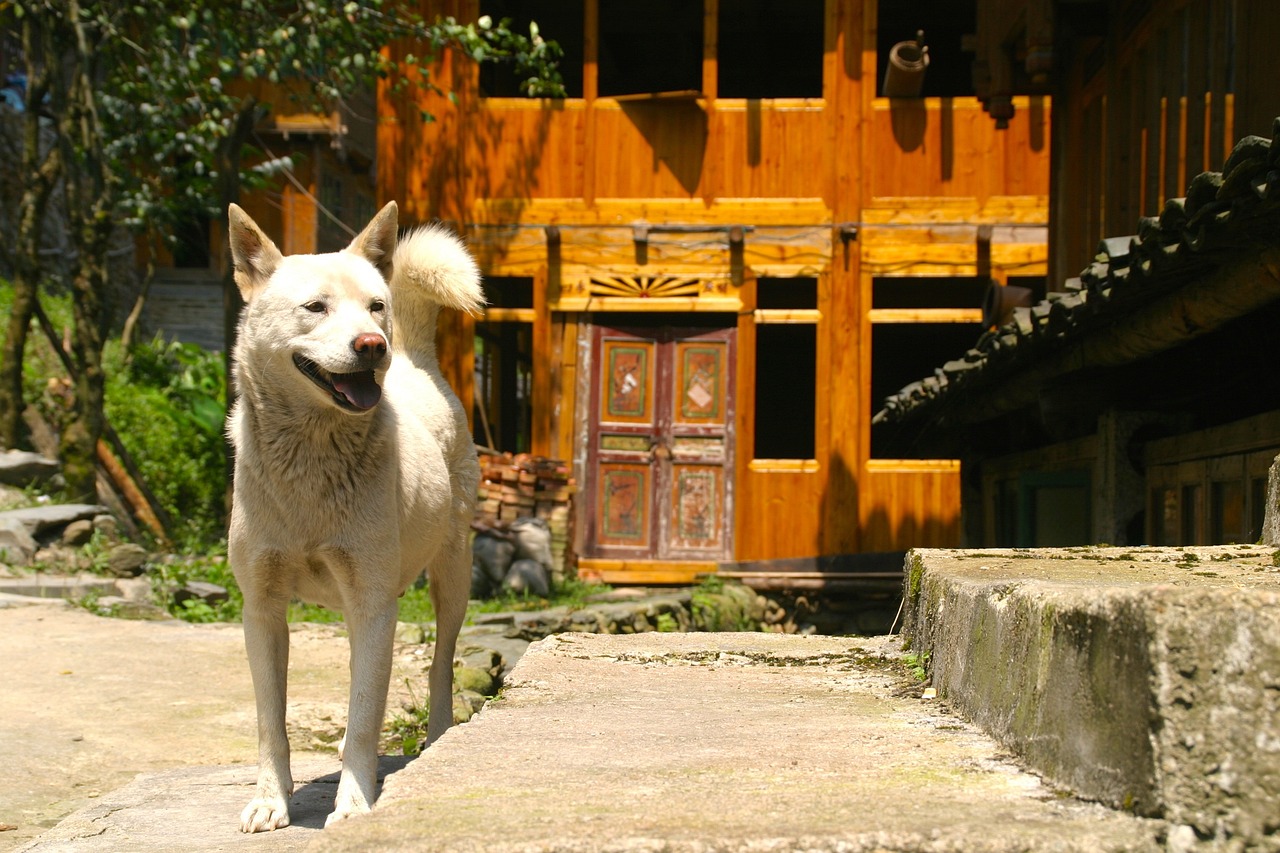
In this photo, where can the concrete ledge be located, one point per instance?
(1148, 679)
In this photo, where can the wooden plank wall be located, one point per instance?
(1150, 106)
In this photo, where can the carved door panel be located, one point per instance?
(659, 462)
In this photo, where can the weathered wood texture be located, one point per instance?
(909, 503)
(1155, 105)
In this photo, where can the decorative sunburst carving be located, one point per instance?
(650, 286)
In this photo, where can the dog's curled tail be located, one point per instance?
(431, 269)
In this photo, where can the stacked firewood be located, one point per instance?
(526, 486)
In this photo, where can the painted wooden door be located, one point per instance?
(659, 461)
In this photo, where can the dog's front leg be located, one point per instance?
(266, 636)
(372, 632)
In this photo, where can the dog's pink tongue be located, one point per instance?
(360, 389)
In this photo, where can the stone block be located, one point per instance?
(1148, 679)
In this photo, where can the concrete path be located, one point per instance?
(722, 742)
(88, 703)
(673, 742)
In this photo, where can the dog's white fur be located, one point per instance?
(344, 494)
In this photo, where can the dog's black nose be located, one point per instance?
(369, 343)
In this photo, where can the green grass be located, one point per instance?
(414, 606)
(917, 665)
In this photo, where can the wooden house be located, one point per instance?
(1137, 404)
(327, 189)
(710, 261)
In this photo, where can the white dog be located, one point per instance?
(354, 471)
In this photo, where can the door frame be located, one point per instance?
(657, 564)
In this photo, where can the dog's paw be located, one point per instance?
(351, 799)
(342, 812)
(264, 814)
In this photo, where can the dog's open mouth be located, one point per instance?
(357, 392)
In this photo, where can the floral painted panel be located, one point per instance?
(695, 504)
(700, 382)
(623, 506)
(627, 378)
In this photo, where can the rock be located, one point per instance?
(62, 558)
(528, 577)
(134, 589)
(533, 540)
(39, 519)
(22, 468)
(108, 527)
(126, 560)
(491, 557)
(17, 547)
(122, 608)
(209, 593)
(410, 632)
(729, 607)
(465, 705)
(474, 679)
(1271, 515)
(77, 533)
(476, 657)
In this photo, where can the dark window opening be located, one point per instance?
(928, 292)
(1164, 503)
(1192, 511)
(1226, 508)
(945, 24)
(1055, 510)
(508, 291)
(331, 237)
(558, 20)
(649, 46)
(191, 242)
(787, 32)
(787, 293)
(902, 353)
(1037, 284)
(786, 375)
(503, 416)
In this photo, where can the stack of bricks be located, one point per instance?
(525, 486)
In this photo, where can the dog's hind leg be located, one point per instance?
(450, 587)
(372, 627)
(266, 637)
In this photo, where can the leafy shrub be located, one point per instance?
(167, 402)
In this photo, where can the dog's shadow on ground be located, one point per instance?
(313, 800)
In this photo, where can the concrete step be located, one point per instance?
(1147, 679)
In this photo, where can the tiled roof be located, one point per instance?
(1222, 213)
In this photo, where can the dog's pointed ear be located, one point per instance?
(377, 242)
(253, 256)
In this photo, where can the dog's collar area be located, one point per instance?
(355, 392)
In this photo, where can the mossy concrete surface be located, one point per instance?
(1148, 679)
(723, 742)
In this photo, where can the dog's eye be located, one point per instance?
(377, 306)
(315, 306)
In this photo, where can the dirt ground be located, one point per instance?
(87, 703)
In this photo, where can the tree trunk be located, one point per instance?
(80, 436)
(91, 195)
(40, 172)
